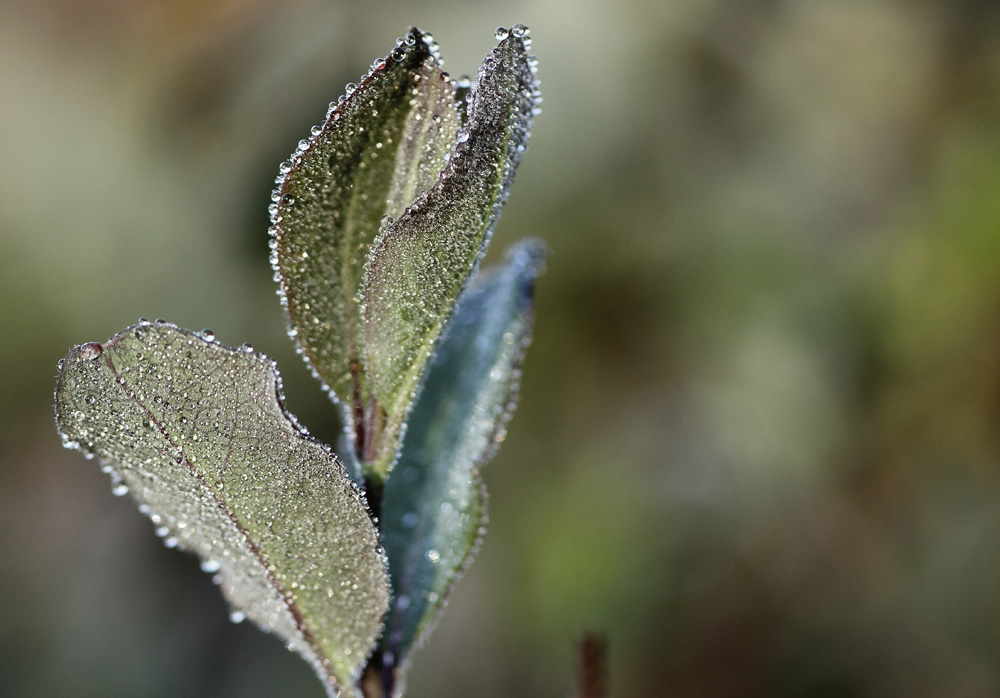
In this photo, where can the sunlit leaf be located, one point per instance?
(380, 146)
(198, 434)
(433, 508)
(421, 262)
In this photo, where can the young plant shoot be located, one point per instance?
(379, 222)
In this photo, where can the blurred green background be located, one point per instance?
(758, 444)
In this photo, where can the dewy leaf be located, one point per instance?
(380, 146)
(421, 262)
(197, 432)
(432, 505)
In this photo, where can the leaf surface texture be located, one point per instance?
(198, 434)
(421, 262)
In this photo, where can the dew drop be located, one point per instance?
(433, 555)
(208, 335)
(210, 566)
(120, 490)
(398, 53)
(403, 602)
(519, 30)
(170, 542)
(237, 616)
(463, 136)
(91, 350)
(501, 33)
(248, 347)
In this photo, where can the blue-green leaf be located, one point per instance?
(422, 260)
(198, 434)
(433, 506)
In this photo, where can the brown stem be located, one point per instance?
(370, 682)
(358, 409)
(593, 681)
(374, 423)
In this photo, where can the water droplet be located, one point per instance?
(398, 53)
(433, 555)
(91, 350)
(248, 347)
(303, 145)
(287, 200)
(237, 616)
(316, 130)
(207, 335)
(210, 566)
(285, 167)
(519, 30)
(120, 490)
(170, 542)
(403, 602)
(463, 136)
(350, 87)
(501, 33)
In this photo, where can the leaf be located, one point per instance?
(433, 504)
(197, 432)
(379, 147)
(421, 262)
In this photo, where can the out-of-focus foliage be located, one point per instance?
(758, 436)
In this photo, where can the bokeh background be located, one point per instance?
(759, 440)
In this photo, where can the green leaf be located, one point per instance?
(380, 146)
(433, 503)
(197, 432)
(421, 262)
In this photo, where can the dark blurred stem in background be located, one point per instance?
(593, 679)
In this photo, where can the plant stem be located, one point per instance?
(593, 680)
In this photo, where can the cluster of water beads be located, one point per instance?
(518, 30)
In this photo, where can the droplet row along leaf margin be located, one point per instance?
(197, 432)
